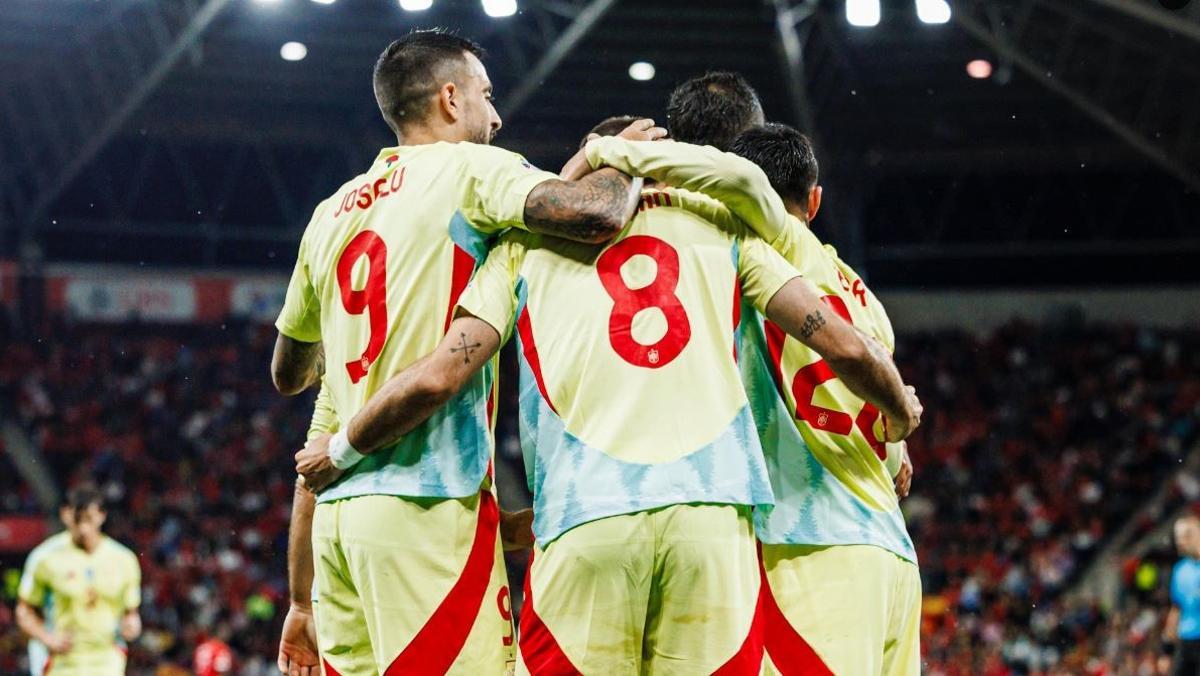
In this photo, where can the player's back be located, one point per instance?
(380, 268)
(630, 394)
(848, 496)
(80, 593)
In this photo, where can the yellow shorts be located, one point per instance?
(667, 591)
(92, 662)
(411, 586)
(848, 609)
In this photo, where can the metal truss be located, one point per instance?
(1185, 22)
(1137, 94)
(538, 50)
(61, 119)
(817, 71)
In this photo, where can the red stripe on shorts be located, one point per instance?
(789, 652)
(539, 648)
(329, 670)
(436, 646)
(748, 659)
(460, 276)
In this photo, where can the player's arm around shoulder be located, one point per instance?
(507, 192)
(735, 181)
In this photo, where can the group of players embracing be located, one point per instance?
(709, 413)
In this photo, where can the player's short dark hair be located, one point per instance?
(713, 109)
(409, 70)
(785, 155)
(610, 127)
(83, 495)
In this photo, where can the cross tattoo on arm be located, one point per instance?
(465, 348)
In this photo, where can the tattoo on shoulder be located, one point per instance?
(812, 324)
(465, 348)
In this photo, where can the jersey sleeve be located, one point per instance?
(33, 586)
(501, 181)
(324, 418)
(491, 295)
(300, 318)
(1176, 597)
(132, 596)
(735, 181)
(762, 271)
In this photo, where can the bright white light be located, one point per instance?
(324, 2)
(933, 11)
(293, 51)
(862, 13)
(980, 69)
(416, 5)
(267, 2)
(500, 8)
(641, 71)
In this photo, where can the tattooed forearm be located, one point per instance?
(296, 366)
(812, 324)
(592, 209)
(464, 348)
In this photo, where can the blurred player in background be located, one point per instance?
(79, 594)
(641, 451)
(409, 569)
(1183, 622)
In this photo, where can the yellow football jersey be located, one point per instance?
(630, 392)
(380, 267)
(82, 594)
(802, 410)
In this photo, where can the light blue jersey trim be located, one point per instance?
(447, 455)
(574, 483)
(812, 506)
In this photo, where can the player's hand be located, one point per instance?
(314, 466)
(131, 626)
(905, 475)
(641, 130)
(58, 643)
(516, 529)
(898, 429)
(298, 655)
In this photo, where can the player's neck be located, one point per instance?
(88, 544)
(425, 135)
(800, 214)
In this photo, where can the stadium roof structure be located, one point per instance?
(171, 131)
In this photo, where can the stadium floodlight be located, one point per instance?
(293, 51)
(980, 69)
(933, 11)
(862, 13)
(641, 70)
(499, 8)
(416, 5)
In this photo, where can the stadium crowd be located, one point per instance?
(1038, 441)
